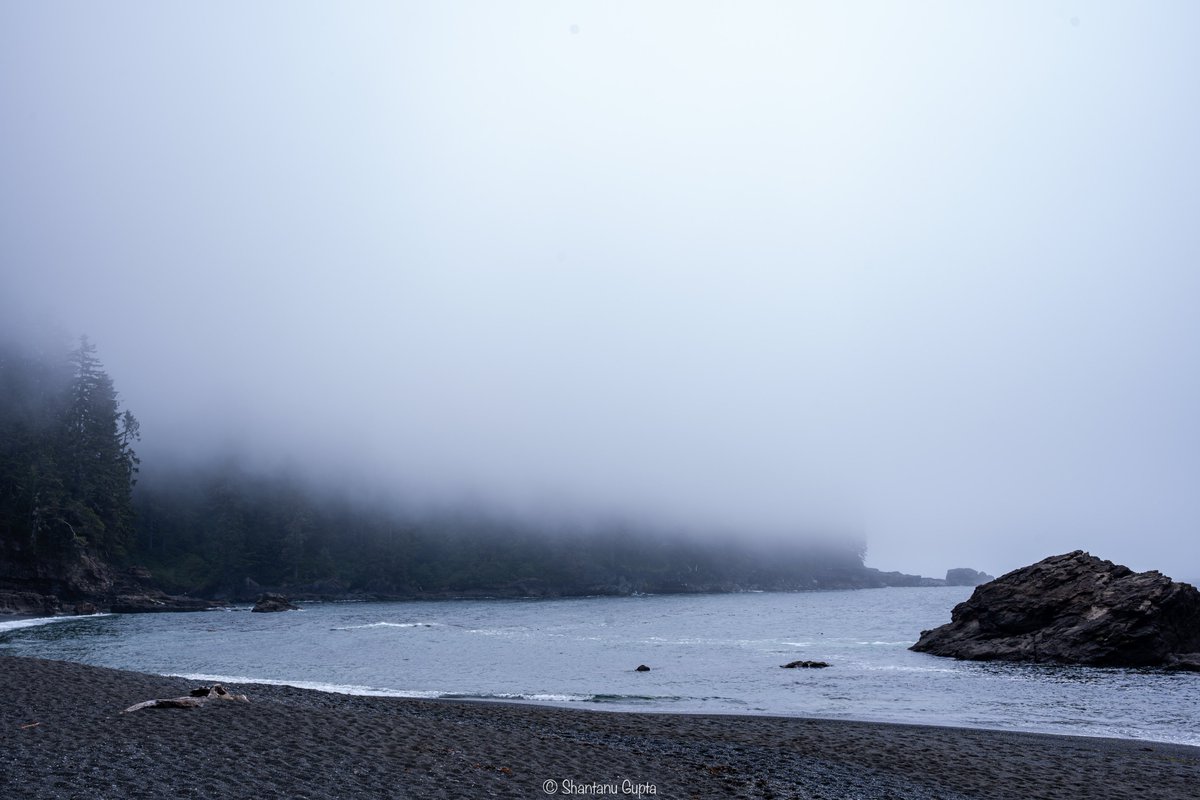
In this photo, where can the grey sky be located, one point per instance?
(925, 270)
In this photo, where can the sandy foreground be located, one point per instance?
(62, 735)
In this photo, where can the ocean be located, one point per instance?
(706, 653)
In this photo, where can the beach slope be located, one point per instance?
(62, 735)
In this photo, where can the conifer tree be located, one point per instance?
(97, 457)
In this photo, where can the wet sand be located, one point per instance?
(62, 735)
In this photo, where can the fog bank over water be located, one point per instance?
(922, 272)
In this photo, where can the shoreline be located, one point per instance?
(1158, 725)
(63, 735)
(601, 707)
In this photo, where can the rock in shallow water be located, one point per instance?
(1074, 609)
(274, 602)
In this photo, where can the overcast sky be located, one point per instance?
(928, 271)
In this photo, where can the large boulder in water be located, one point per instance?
(273, 602)
(1075, 609)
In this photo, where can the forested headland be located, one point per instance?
(81, 523)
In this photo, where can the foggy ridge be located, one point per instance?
(925, 277)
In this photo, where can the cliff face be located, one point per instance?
(1075, 608)
(78, 582)
(31, 584)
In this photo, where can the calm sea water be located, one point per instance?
(714, 653)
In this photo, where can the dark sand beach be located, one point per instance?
(62, 735)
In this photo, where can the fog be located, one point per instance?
(925, 271)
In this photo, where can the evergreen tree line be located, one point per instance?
(67, 475)
(207, 532)
(67, 464)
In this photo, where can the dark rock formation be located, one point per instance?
(1188, 662)
(274, 602)
(642, 668)
(139, 574)
(876, 578)
(805, 665)
(77, 581)
(153, 602)
(29, 602)
(1075, 609)
(962, 576)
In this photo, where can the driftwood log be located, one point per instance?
(196, 698)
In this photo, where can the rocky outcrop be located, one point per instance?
(1074, 609)
(273, 602)
(154, 602)
(963, 576)
(77, 581)
(20, 601)
(805, 665)
(899, 579)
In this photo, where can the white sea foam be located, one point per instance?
(316, 686)
(512, 632)
(532, 697)
(16, 624)
(389, 625)
(901, 668)
(541, 697)
(419, 694)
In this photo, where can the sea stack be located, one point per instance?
(1075, 609)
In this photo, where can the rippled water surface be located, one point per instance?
(713, 653)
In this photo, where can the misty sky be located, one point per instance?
(926, 271)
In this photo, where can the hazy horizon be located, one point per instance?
(925, 273)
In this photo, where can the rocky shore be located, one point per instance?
(62, 735)
(80, 582)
